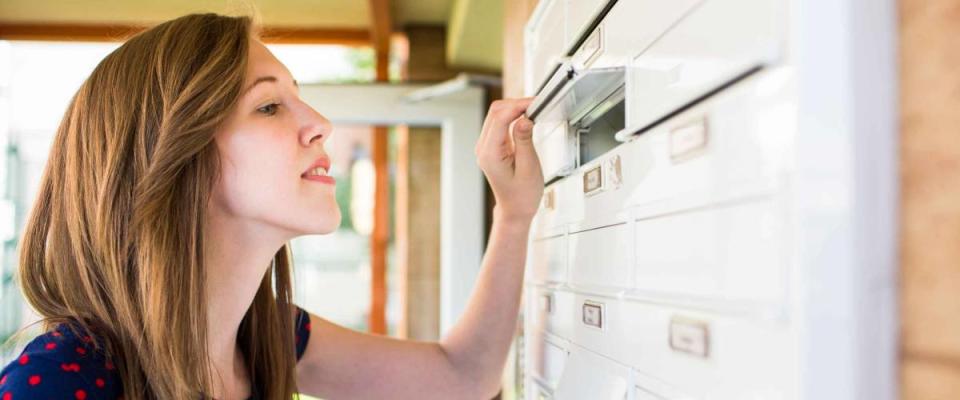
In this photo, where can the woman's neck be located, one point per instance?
(238, 255)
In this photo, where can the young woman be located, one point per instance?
(156, 252)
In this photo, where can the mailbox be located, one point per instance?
(681, 250)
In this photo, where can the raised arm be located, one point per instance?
(468, 362)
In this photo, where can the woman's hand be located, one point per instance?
(506, 155)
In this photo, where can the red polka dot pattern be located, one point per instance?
(59, 365)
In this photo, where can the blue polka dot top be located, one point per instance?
(62, 364)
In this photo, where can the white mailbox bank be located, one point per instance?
(719, 215)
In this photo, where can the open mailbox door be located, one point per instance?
(577, 114)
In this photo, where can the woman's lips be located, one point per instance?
(321, 178)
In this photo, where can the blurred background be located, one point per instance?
(352, 276)
(381, 271)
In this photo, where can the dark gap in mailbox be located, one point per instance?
(597, 132)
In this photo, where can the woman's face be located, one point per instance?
(270, 148)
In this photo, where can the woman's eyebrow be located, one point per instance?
(269, 78)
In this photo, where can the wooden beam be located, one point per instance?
(118, 33)
(422, 269)
(68, 32)
(345, 37)
(381, 29)
(381, 235)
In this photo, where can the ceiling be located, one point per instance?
(471, 23)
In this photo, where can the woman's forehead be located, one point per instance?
(261, 62)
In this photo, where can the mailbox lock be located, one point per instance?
(546, 303)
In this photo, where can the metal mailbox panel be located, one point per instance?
(580, 15)
(632, 25)
(735, 145)
(562, 205)
(718, 41)
(601, 258)
(731, 252)
(590, 376)
(548, 260)
(551, 311)
(707, 355)
(553, 363)
(596, 325)
(619, 173)
(544, 41)
(546, 359)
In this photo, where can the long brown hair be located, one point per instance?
(114, 241)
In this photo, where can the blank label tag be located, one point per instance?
(691, 337)
(688, 141)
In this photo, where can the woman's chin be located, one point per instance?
(329, 225)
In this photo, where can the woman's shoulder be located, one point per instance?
(61, 363)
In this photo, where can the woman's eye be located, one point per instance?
(268, 109)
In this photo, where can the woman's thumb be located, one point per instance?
(523, 131)
(527, 162)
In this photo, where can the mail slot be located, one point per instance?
(581, 15)
(727, 148)
(629, 27)
(544, 41)
(717, 44)
(578, 114)
(556, 30)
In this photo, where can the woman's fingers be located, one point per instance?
(497, 124)
(525, 156)
(506, 154)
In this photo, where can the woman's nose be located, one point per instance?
(315, 128)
